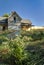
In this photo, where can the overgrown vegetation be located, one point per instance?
(25, 49)
(6, 15)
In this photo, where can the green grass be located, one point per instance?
(25, 49)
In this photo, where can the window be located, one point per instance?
(4, 28)
(14, 20)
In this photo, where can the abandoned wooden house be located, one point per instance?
(14, 21)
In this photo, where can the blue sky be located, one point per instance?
(27, 9)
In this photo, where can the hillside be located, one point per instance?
(24, 49)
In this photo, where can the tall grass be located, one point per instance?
(25, 49)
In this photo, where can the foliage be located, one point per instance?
(25, 49)
(6, 15)
(12, 51)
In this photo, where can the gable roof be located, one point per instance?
(13, 13)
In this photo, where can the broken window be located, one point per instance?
(14, 19)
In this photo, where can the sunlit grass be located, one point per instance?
(25, 49)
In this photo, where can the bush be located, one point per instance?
(25, 49)
(12, 52)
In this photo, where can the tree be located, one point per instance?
(6, 15)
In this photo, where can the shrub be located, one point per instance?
(25, 49)
(12, 52)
